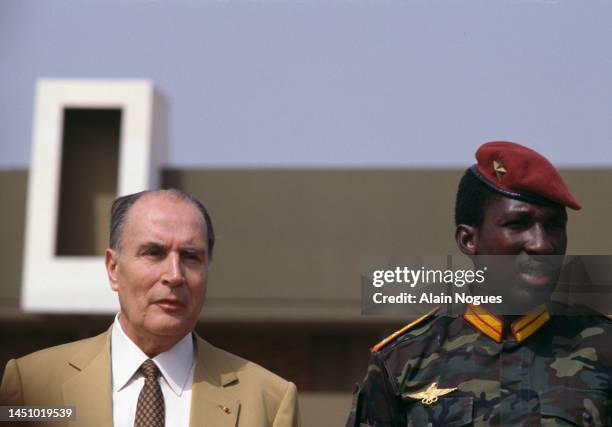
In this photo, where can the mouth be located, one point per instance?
(536, 280)
(538, 274)
(169, 304)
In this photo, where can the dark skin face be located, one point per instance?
(533, 239)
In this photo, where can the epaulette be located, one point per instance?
(400, 332)
(607, 316)
(581, 309)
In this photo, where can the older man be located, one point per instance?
(526, 362)
(149, 368)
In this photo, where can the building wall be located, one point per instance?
(284, 287)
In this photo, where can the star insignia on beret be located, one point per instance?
(499, 169)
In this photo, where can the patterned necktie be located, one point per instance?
(150, 410)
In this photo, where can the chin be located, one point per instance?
(528, 299)
(169, 326)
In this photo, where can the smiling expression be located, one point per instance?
(534, 236)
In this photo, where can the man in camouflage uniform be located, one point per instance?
(548, 365)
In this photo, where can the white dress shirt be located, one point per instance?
(176, 366)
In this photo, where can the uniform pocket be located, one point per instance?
(447, 412)
(574, 407)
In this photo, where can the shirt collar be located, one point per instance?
(493, 326)
(174, 364)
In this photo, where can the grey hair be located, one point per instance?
(122, 205)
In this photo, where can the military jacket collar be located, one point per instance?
(493, 326)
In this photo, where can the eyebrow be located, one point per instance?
(194, 249)
(160, 246)
(150, 246)
(519, 211)
(523, 211)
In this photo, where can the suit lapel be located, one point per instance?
(90, 390)
(210, 404)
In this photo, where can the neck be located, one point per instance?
(512, 308)
(150, 344)
(510, 314)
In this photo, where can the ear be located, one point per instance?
(466, 237)
(111, 261)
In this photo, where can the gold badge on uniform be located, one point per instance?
(430, 394)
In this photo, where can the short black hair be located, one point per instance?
(472, 199)
(122, 205)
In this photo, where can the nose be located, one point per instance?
(173, 271)
(539, 241)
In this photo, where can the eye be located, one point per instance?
(152, 251)
(192, 256)
(517, 224)
(557, 223)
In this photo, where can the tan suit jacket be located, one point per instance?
(228, 391)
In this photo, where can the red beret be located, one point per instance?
(520, 173)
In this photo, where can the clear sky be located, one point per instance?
(364, 83)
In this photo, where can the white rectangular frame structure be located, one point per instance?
(78, 284)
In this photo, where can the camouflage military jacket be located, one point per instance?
(559, 375)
